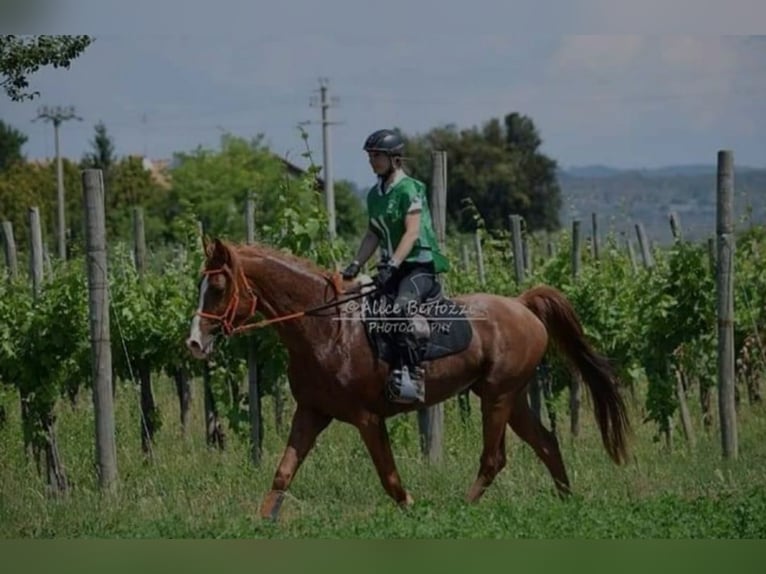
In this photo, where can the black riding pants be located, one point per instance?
(415, 281)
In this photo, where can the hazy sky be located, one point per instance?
(168, 75)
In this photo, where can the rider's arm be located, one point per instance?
(367, 247)
(411, 233)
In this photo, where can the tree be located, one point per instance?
(11, 142)
(498, 168)
(102, 157)
(214, 185)
(351, 213)
(21, 56)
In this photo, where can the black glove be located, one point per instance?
(384, 276)
(351, 271)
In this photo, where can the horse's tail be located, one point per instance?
(563, 324)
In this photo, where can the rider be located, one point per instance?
(400, 223)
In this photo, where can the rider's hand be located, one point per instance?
(351, 271)
(385, 275)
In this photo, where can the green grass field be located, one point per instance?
(191, 490)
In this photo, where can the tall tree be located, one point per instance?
(499, 168)
(22, 56)
(11, 142)
(102, 155)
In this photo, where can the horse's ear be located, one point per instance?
(207, 246)
(220, 252)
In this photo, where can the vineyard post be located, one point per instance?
(712, 257)
(518, 250)
(725, 295)
(98, 304)
(675, 225)
(465, 258)
(551, 247)
(148, 409)
(253, 392)
(631, 254)
(431, 419)
(139, 241)
(595, 245)
(575, 389)
(520, 257)
(643, 242)
(683, 407)
(576, 248)
(36, 275)
(36, 251)
(11, 260)
(529, 253)
(479, 256)
(47, 261)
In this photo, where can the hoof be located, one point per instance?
(407, 502)
(272, 505)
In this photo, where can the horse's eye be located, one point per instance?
(217, 282)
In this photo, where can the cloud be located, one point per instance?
(687, 79)
(670, 16)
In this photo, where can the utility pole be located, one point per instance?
(325, 104)
(57, 116)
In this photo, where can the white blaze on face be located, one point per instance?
(199, 343)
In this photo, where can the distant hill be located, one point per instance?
(623, 197)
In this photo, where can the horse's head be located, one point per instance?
(225, 298)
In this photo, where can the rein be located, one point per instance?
(228, 316)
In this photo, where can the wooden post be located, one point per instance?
(11, 260)
(575, 388)
(712, 256)
(479, 256)
(139, 241)
(98, 304)
(253, 390)
(214, 432)
(148, 406)
(595, 245)
(431, 419)
(465, 258)
(725, 293)
(643, 242)
(47, 261)
(518, 250)
(632, 255)
(529, 254)
(675, 225)
(576, 247)
(36, 251)
(683, 409)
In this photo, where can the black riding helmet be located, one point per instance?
(387, 141)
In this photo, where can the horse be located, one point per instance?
(335, 375)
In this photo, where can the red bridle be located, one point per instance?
(229, 315)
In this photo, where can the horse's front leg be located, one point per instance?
(375, 436)
(306, 426)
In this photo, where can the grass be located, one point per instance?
(192, 491)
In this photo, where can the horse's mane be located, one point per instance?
(263, 250)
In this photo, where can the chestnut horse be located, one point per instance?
(334, 374)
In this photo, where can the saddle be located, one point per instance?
(450, 331)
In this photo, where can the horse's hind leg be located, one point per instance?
(525, 423)
(494, 414)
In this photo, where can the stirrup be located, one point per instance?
(403, 388)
